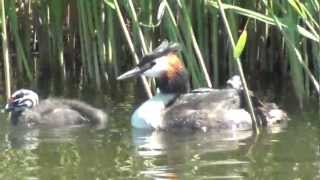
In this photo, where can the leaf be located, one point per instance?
(161, 10)
(307, 34)
(110, 4)
(296, 6)
(240, 44)
(268, 20)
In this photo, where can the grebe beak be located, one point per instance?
(131, 73)
(137, 71)
(154, 63)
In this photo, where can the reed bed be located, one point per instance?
(95, 40)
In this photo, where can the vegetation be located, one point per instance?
(60, 40)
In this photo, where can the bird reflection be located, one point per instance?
(181, 148)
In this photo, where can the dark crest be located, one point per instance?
(164, 48)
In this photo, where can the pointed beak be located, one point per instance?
(131, 73)
(9, 107)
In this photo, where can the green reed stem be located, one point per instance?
(85, 44)
(136, 23)
(298, 55)
(195, 44)
(5, 50)
(175, 34)
(111, 41)
(92, 30)
(99, 36)
(131, 46)
(17, 40)
(243, 80)
(214, 40)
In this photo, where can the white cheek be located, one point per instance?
(160, 67)
(29, 104)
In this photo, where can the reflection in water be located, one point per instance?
(153, 143)
(121, 152)
(18, 164)
(187, 148)
(20, 137)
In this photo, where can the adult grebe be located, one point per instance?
(177, 108)
(53, 112)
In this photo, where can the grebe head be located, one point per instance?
(22, 99)
(164, 64)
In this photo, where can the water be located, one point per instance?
(119, 152)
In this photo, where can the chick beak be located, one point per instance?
(131, 73)
(9, 106)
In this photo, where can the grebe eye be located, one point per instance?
(147, 66)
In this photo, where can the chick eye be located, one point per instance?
(18, 96)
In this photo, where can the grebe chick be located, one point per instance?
(52, 112)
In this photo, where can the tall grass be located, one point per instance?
(91, 39)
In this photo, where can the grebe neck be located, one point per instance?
(175, 80)
(178, 84)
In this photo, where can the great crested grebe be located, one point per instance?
(52, 112)
(175, 107)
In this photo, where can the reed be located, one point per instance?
(237, 50)
(17, 41)
(89, 39)
(5, 50)
(132, 49)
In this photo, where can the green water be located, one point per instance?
(119, 152)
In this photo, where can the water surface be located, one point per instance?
(120, 152)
